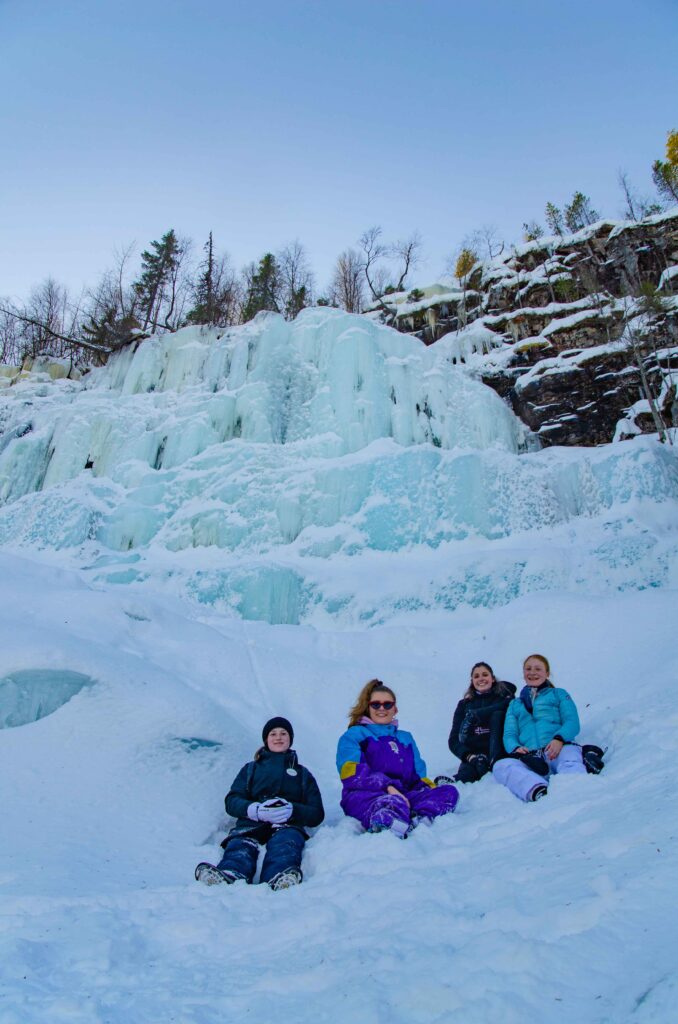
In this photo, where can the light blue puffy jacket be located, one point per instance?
(554, 713)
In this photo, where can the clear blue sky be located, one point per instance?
(269, 121)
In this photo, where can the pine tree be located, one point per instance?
(204, 310)
(665, 172)
(532, 230)
(262, 288)
(215, 292)
(554, 219)
(206, 291)
(296, 301)
(158, 267)
(579, 212)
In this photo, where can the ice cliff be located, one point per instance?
(263, 469)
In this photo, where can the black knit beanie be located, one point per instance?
(277, 723)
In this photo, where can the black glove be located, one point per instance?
(592, 756)
(535, 761)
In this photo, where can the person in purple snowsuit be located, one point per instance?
(383, 774)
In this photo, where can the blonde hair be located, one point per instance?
(542, 659)
(361, 707)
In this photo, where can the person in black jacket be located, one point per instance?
(478, 724)
(274, 799)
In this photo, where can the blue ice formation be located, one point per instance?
(328, 469)
(31, 694)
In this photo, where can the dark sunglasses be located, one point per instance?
(385, 704)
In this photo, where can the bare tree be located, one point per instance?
(636, 206)
(114, 290)
(50, 320)
(373, 251)
(631, 209)
(10, 334)
(31, 334)
(296, 279)
(110, 307)
(408, 252)
(485, 242)
(380, 275)
(122, 291)
(638, 330)
(346, 289)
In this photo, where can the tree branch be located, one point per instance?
(55, 334)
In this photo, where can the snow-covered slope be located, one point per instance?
(562, 909)
(196, 538)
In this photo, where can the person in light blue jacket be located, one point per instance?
(540, 728)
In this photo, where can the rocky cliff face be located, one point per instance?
(578, 333)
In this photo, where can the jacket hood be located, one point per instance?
(380, 730)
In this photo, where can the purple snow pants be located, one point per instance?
(378, 810)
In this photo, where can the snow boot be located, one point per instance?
(592, 756)
(286, 879)
(208, 874)
(538, 792)
(444, 780)
(400, 828)
(385, 819)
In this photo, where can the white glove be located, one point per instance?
(253, 811)
(275, 811)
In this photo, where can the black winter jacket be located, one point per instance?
(271, 775)
(478, 725)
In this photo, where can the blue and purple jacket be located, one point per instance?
(372, 757)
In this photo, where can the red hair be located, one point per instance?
(542, 659)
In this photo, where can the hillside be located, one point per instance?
(564, 328)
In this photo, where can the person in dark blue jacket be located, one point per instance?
(478, 724)
(275, 799)
(539, 733)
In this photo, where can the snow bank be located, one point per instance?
(503, 911)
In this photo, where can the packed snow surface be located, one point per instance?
(561, 910)
(216, 529)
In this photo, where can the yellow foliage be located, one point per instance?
(672, 148)
(527, 345)
(465, 263)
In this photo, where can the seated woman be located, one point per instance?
(478, 724)
(383, 774)
(274, 799)
(539, 733)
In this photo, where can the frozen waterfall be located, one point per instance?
(263, 469)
